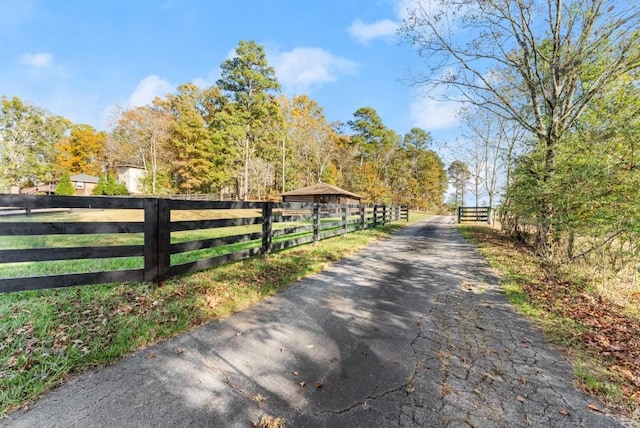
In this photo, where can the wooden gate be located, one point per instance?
(476, 214)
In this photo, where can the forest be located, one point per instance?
(240, 138)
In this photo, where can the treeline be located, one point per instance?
(239, 137)
(552, 99)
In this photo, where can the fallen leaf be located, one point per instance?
(294, 373)
(238, 333)
(12, 361)
(523, 380)
(302, 384)
(565, 411)
(25, 409)
(319, 384)
(521, 399)
(152, 355)
(309, 346)
(594, 407)
(179, 351)
(334, 359)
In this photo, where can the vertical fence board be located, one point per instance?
(345, 213)
(151, 240)
(375, 216)
(267, 228)
(316, 223)
(164, 239)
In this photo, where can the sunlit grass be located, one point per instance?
(48, 335)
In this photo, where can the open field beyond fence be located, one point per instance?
(91, 240)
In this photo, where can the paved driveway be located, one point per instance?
(410, 332)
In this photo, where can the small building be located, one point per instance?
(131, 177)
(321, 193)
(83, 183)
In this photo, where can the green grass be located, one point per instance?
(26, 269)
(47, 336)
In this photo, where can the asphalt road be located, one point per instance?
(410, 332)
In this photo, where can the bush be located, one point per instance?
(65, 186)
(107, 185)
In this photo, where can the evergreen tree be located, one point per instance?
(65, 186)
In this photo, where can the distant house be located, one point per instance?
(83, 183)
(321, 193)
(131, 176)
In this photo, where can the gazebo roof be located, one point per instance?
(320, 189)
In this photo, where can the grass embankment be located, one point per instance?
(601, 339)
(47, 336)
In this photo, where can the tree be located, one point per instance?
(82, 152)
(109, 186)
(250, 83)
(490, 144)
(142, 138)
(65, 186)
(310, 139)
(459, 174)
(27, 137)
(543, 51)
(371, 137)
(376, 145)
(200, 154)
(418, 178)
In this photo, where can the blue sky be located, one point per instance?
(80, 58)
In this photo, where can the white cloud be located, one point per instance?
(301, 69)
(365, 32)
(37, 60)
(149, 88)
(430, 114)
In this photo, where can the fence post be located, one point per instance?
(362, 217)
(375, 215)
(157, 240)
(459, 214)
(384, 215)
(316, 223)
(344, 218)
(267, 228)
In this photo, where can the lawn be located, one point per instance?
(26, 269)
(47, 336)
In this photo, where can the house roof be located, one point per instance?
(320, 189)
(85, 178)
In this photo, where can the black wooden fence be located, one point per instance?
(477, 214)
(277, 226)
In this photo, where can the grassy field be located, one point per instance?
(12, 270)
(601, 338)
(47, 336)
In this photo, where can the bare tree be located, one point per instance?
(491, 143)
(555, 56)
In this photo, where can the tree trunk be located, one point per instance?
(245, 184)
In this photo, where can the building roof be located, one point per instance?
(84, 178)
(321, 189)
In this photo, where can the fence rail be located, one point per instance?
(477, 214)
(162, 247)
